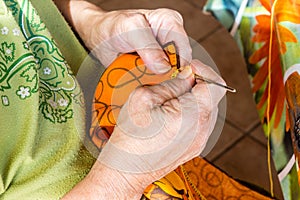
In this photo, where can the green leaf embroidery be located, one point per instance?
(7, 51)
(2, 70)
(30, 73)
(12, 5)
(36, 23)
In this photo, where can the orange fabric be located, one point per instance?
(214, 184)
(194, 180)
(117, 82)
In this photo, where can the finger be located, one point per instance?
(130, 32)
(105, 56)
(173, 88)
(139, 36)
(146, 98)
(201, 110)
(145, 104)
(152, 54)
(140, 40)
(167, 25)
(216, 92)
(201, 139)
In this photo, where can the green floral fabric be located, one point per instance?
(42, 156)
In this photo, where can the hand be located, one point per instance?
(163, 126)
(176, 118)
(108, 34)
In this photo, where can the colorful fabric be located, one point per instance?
(225, 11)
(215, 184)
(42, 156)
(195, 180)
(269, 39)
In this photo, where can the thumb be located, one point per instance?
(172, 89)
(145, 44)
(155, 59)
(215, 92)
(144, 99)
(146, 106)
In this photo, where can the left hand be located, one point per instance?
(108, 34)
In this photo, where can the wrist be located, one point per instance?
(123, 185)
(106, 183)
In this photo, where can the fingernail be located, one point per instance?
(185, 73)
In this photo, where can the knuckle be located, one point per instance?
(177, 16)
(206, 108)
(170, 15)
(133, 19)
(125, 21)
(142, 94)
(205, 115)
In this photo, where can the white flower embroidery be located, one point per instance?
(62, 102)
(23, 92)
(47, 70)
(4, 30)
(16, 31)
(52, 103)
(8, 51)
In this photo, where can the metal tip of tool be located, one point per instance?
(230, 89)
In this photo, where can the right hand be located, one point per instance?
(189, 112)
(163, 126)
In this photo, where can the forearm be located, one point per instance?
(106, 183)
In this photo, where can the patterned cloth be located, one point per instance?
(42, 156)
(225, 11)
(269, 37)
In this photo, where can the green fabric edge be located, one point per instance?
(64, 37)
